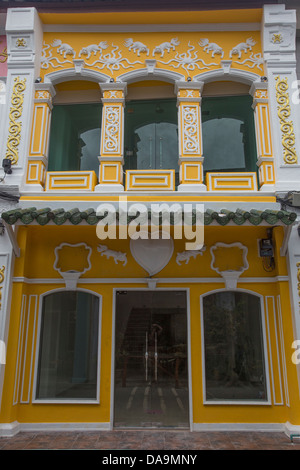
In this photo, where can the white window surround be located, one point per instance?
(266, 364)
(36, 400)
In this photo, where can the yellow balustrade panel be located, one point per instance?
(66, 180)
(145, 180)
(245, 181)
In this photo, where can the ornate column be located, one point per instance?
(279, 33)
(39, 140)
(190, 138)
(265, 161)
(24, 41)
(112, 137)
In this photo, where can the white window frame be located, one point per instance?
(36, 400)
(265, 402)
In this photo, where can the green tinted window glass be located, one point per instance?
(234, 347)
(228, 134)
(68, 357)
(151, 135)
(75, 137)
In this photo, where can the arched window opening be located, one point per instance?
(151, 128)
(75, 128)
(228, 131)
(233, 347)
(68, 351)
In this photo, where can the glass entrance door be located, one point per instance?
(151, 366)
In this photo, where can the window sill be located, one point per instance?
(238, 402)
(65, 402)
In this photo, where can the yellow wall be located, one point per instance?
(37, 259)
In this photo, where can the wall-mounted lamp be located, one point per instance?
(38, 80)
(6, 165)
(263, 79)
(111, 80)
(189, 79)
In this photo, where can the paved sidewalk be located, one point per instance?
(148, 440)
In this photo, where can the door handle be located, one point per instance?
(146, 356)
(150, 151)
(160, 151)
(155, 357)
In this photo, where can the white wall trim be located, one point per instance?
(11, 429)
(144, 280)
(243, 427)
(97, 400)
(268, 400)
(143, 28)
(71, 74)
(235, 75)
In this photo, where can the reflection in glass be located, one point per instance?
(234, 355)
(151, 366)
(68, 355)
(228, 133)
(151, 135)
(224, 145)
(75, 137)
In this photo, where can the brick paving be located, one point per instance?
(148, 440)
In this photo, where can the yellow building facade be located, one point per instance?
(117, 311)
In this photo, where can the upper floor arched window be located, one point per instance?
(228, 130)
(151, 127)
(75, 127)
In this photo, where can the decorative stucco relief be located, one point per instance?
(185, 256)
(93, 49)
(211, 47)
(189, 61)
(136, 46)
(242, 47)
(191, 138)
(118, 256)
(286, 125)
(187, 53)
(256, 60)
(165, 47)
(112, 128)
(15, 113)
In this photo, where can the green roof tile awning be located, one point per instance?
(75, 216)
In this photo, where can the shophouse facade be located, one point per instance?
(126, 136)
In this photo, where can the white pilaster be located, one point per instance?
(24, 42)
(278, 37)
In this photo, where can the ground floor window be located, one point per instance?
(233, 347)
(68, 353)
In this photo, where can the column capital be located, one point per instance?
(181, 85)
(259, 91)
(114, 86)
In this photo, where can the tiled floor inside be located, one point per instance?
(149, 440)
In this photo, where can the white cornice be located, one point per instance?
(151, 28)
